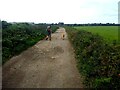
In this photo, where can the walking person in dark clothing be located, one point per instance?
(49, 31)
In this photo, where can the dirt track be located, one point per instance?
(48, 64)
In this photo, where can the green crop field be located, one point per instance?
(109, 33)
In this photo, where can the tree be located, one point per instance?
(5, 24)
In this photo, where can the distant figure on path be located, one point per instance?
(49, 31)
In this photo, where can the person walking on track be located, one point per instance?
(49, 32)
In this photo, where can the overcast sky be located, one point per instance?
(54, 11)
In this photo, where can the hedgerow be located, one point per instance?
(19, 36)
(97, 61)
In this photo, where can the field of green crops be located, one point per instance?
(109, 33)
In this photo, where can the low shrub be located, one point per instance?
(97, 61)
(20, 36)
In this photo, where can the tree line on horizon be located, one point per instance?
(94, 24)
(5, 23)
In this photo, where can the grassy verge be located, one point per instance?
(97, 61)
